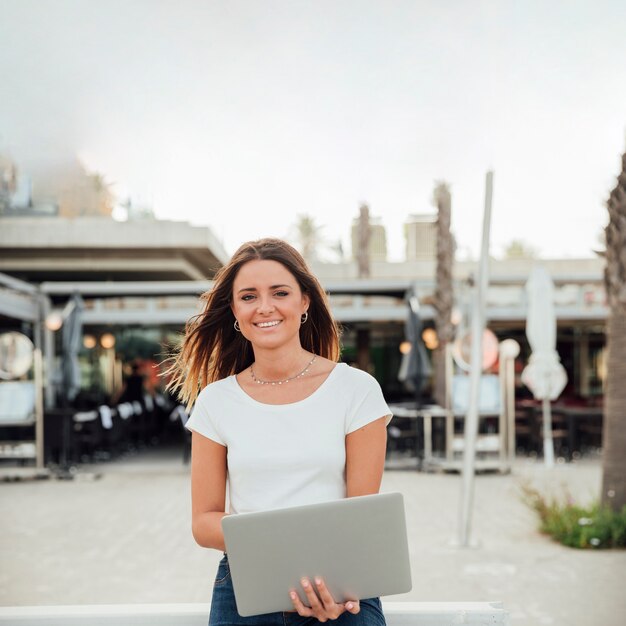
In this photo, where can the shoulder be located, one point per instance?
(219, 389)
(356, 384)
(356, 376)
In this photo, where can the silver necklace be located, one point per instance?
(281, 382)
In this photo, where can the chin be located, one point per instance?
(272, 342)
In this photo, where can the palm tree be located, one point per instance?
(444, 293)
(614, 430)
(518, 249)
(104, 196)
(363, 243)
(308, 236)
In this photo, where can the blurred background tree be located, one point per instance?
(614, 429)
(308, 237)
(444, 290)
(518, 249)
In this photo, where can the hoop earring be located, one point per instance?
(237, 327)
(304, 317)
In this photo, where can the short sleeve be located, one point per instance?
(369, 405)
(202, 422)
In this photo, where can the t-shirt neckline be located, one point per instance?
(246, 395)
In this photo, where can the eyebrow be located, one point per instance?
(271, 287)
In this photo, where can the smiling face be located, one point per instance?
(268, 304)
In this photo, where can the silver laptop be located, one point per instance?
(358, 545)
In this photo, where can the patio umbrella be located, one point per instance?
(415, 366)
(71, 337)
(544, 375)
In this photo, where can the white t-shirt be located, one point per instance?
(282, 455)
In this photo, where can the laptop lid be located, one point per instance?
(358, 545)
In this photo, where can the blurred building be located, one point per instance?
(140, 281)
(37, 249)
(8, 180)
(81, 193)
(65, 190)
(420, 233)
(378, 239)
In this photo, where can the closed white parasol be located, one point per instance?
(544, 375)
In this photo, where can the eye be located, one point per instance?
(247, 297)
(282, 294)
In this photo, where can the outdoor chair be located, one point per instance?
(87, 434)
(527, 430)
(401, 436)
(179, 414)
(590, 431)
(101, 433)
(17, 419)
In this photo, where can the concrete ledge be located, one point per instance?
(397, 613)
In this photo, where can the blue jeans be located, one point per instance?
(224, 609)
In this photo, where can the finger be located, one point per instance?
(311, 596)
(325, 595)
(302, 610)
(353, 606)
(332, 609)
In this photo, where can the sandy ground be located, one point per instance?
(120, 533)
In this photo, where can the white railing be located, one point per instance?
(397, 614)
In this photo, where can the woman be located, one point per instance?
(277, 415)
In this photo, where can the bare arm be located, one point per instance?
(365, 458)
(208, 491)
(365, 461)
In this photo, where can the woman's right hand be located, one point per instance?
(323, 606)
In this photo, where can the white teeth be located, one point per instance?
(268, 324)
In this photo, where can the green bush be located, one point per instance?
(593, 526)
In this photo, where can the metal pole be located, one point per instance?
(471, 420)
(449, 368)
(548, 445)
(39, 433)
(510, 375)
(503, 418)
(48, 357)
(38, 336)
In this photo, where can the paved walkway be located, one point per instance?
(125, 538)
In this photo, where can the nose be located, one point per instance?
(265, 306)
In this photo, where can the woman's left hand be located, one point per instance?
(323, 605)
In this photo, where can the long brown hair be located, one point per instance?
(212, 349)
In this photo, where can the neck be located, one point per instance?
(280, 364)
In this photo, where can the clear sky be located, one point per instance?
(242, 114)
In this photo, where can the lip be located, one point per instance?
(256, 324)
